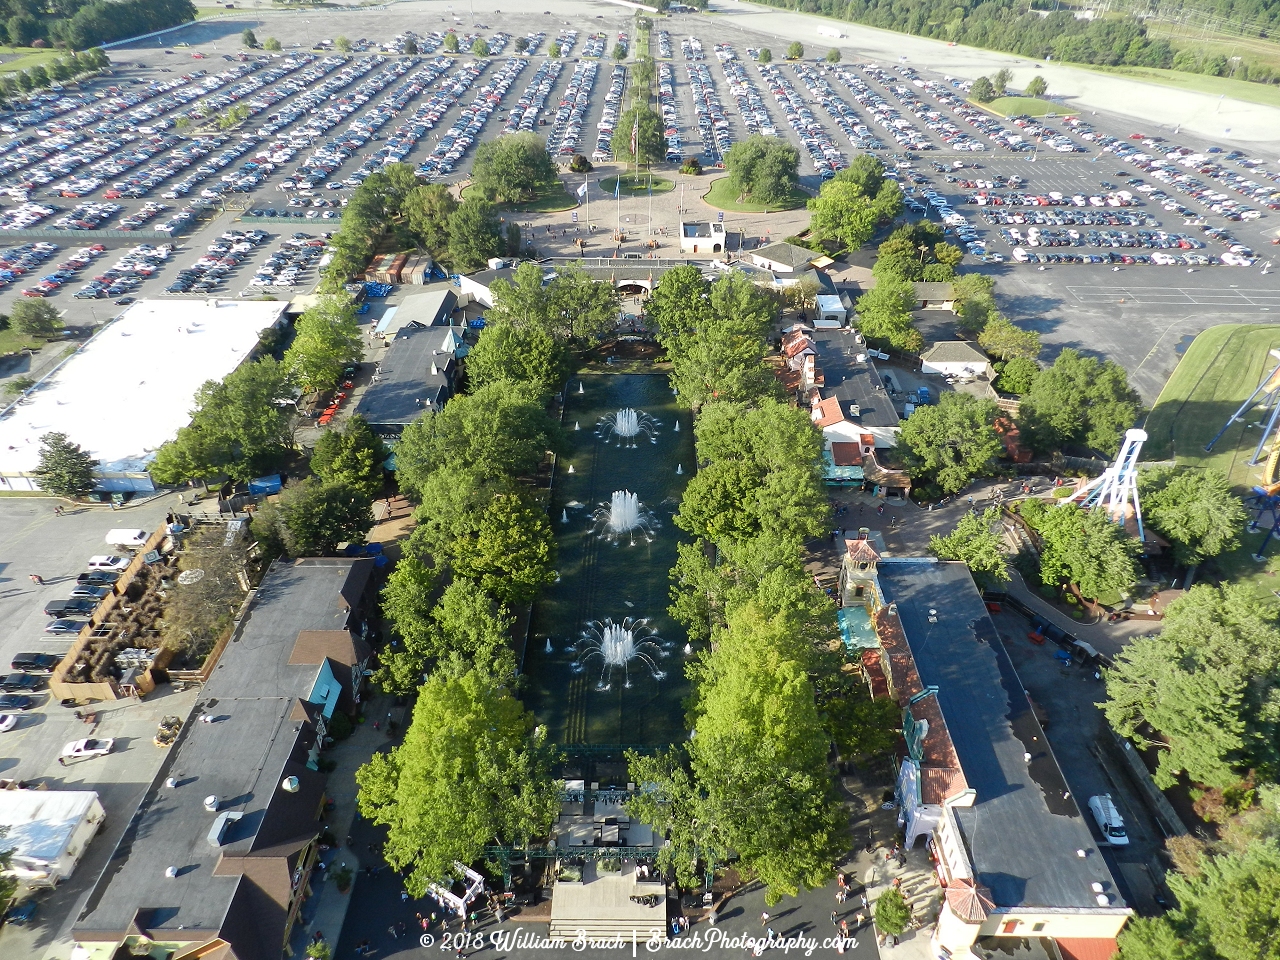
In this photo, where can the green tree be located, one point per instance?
(763, 169)
(238, 428)
(65, 470)
(974, 301)
(39, 77)
(327, 338)
(23, 28)
(354, 455)
(976, 543)
(35, 318)
(795, 50)
(1207, 684)
(1087, 548)
(554, 51)
(1004, 341)
(1194, 510)
(475, 235)
(951, 442)
(765, 55)
(451, 42)
(619, 51)
(511, 551)
(272, 45)
(1000, 81)
(528, 355)
(342, 44)
(982, 90)
(892, 912)
(499, 430)
(651, 140)
(319, 950)
(846, 212)
(444, 798)
(1079, 400)
(714, 335)
(521, 44)
(481, 47)
(314, 516)
(643, 73)
(674, 807)
(759, 754)
(410, 48)
(571, 306)
(426, 210)
(1017, 376)
(884, 313)
(833, 56)
(761, 475)
(514, 169)
(1037, 87)
(249, 39)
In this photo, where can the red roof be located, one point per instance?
(846, 454)
(875, 673)
(796, 346)
(861, 551)
(827, 412)
(1009, 435)
(1098, 948)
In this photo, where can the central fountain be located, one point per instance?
(623, 515)
(627, 426)
(617, 645)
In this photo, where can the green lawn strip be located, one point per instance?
(1021, 106)
(637, 185)
(722, 197)
(1253, 49)
(26, 58)
(1263, 93)
(553, 201)
(11, 341)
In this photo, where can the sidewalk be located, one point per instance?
(919, 885)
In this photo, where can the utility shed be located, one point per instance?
(48, 832)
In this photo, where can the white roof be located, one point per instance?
(830, 302)
(39, 823)
(130, 388)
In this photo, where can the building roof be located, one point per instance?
(830, 303)
(846, 453)
(699, 230)
(38, 824)
(861, 550)
(429, 309)
(786, 253)
(852, 382)
(828, 412)
(261, 733)
(955, 351)
(416, 374)
(129, 389)
(933, 290)
(1024, 828)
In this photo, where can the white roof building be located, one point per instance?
(131, 386)
(48, 831)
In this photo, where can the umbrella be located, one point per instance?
(969, 900)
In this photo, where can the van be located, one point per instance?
(126, 538)
(1109, 820)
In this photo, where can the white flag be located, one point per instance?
(582, 190)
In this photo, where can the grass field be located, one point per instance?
(1218, 372)
(553, 201)
(1252, 49)
(24, 58)
(11, 341)
(1015, 106)
(637, 185)
(1266, 94)
(722, 197)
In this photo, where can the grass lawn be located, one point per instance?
(11, 341)
(637, 185)
(1218, 372)
(722, 197)
(553, 201)
(1264, 93)
(24, 58)
(1252, 49)
(1014, 106)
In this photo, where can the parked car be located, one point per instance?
(126, 537)
(98, 577)
(35, 661)
(15, 701)
(20, 683)
(90, 591)
(77, 607)
(8, 721)
(1109, 820)
(83, 749)
(107, 563)
(64, 626)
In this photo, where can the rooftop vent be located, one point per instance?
(290, 784)
(219, 829)
(171, 872)
(211, 803)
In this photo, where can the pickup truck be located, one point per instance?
(35, 661)
(76, 607)
(83, 749)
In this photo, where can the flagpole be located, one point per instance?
(587, 195)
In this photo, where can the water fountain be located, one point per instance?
(622, 516)
(571, 468)
(580, 390)
(577, 425)
(679, 469)
(564, 516)
(688, 648)
(677, 427)
(549, 647)
(627, 426)
(617, 645)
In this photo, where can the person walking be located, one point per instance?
(764, 918)
(835, 920)
(36, 578)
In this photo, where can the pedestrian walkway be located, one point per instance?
(918, 884)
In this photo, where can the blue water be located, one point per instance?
(855, 627)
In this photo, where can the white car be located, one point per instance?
(8, 721)
(107, 563)
(83, 749)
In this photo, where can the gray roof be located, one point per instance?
(429, 309)
(853, 382)
(1023, 830)
(787, 253)
(406, 385)
(954, 351)
(933, 289)
(258, 738)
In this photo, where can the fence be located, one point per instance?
(87, 236)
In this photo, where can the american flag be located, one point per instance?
(635, 138)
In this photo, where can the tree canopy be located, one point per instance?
(884, 313)
(763, 169)
(35, 318)
(951, 442)
(1194, 510)
(65, 470)
(917, 251)
(651, 139)
(354, 455)
(472, 771)
(426, 210)
(312, 517)
(513, 169)
(526, 354)
(976, 543)
(1079, 400)
(1208, 684)
(475, 235)
(572, 306)
(849, 206)
(327, 338)
(1084, 547)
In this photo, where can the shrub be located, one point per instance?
(340, 725)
